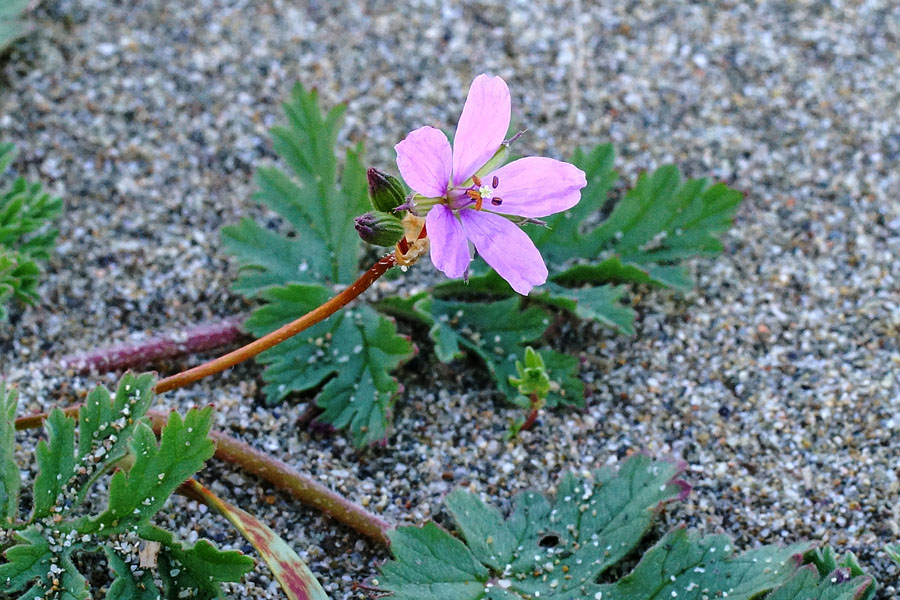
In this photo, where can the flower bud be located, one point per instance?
(385, 192)
(379, 228)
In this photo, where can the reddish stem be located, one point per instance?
(199, 338)
(281, 475)
(276, 337)
(532, 417)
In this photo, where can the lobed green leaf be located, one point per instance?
(195, 571)
(139, 493)
(807, 584)
(33, 560)
(561, 549)
(496, 332)
(543, 548)
(127, 585)
(348, 359)
(106, 425)
(312, 200)
(56, 464)
(10, 479)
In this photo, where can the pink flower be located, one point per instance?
(466, 207)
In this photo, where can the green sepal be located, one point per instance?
(379, 228)
(386, 192)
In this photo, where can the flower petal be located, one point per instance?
(537, 187)
(506, 248)
(449, 248)
(424, 160)
(482, 126)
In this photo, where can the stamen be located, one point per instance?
(477, 180)
(478, 203)
(474, 195)
(496, 201)
(495, 182)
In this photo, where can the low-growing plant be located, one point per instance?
(26, 236)
(347, 362)
(111, 433)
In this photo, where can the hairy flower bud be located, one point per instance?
(385, 192)
(379, 228)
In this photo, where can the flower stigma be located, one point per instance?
(483, 192)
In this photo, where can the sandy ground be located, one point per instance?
(777, 380)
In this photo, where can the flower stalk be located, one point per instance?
(286, 332)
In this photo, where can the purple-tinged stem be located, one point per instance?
(199, 338)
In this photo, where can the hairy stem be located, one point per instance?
(276, 337)
(199, 338)
(278, 473)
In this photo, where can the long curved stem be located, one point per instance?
(276, 337)
(278, 473)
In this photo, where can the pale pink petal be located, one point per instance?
(506, 248)
(449, 248)
(536, 187)
(424, 160)
(482, 126)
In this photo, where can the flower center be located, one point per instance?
(481, 192)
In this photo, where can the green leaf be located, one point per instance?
(543, 549)
(127, 585)
(106, 424)
(295, 578)
(296, 273)
(29, 559)
(685, 562)
(496, 332)
(138, 494)
(807, 584)
(18, 278)
(656, 226)
(10, 479)
(431, 564)
(893, 552)
(32, 559)
(347, 358)
(840, 569)
(195, 571)
(56, 464)
(561, 549)
(113, 432)
(602, 304)
(664, 220)
(317, 205)
(563, 238)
